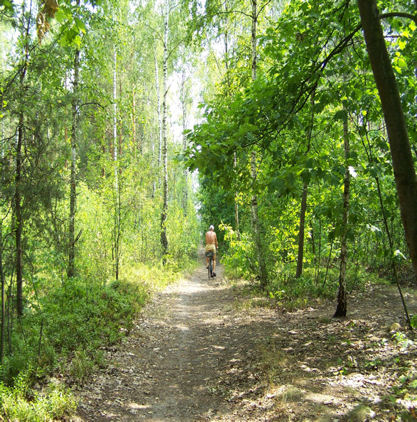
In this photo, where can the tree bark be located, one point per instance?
(18, 177)
(226, 60)
(160, 135)
(116, 147)
(136, 143)
(303, 207)
(164, 239)
(73, 182)
(402, 162)
(19, 220)
(237, 228)
(341, 295)
(253, 37)
(254, 202)
(3, 302)
(183, 97)
(263, 278)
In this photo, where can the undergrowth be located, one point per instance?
(63, 335)
(290, 292)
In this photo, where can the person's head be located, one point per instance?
(211, 228)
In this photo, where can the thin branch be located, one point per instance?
(398, 15)
(262, 8)
(228, 12)
(91, 103)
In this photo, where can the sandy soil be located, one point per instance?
(205, 351)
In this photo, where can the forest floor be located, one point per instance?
(209, 351)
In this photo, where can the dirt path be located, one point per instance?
(202, 351)
(170, 366)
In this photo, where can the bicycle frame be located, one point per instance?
(210, 265)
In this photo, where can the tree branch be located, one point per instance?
(398, 15)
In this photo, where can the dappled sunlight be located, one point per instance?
(206, 356)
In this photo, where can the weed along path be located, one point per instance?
(171, 366)
(205, 351)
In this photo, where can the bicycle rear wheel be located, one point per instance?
(210, 268)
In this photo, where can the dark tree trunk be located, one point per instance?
(404, 172)
(10, 316)
(73, 185)
(19, 220)
(3, 302)
(254, 202)
(18, 178)
(303, 209)
(341, 295)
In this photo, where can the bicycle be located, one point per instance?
(210, 255)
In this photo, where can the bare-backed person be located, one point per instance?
(211, 246)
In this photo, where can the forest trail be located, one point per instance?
(169, 368)
(203, 351)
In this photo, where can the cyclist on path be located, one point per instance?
(212, 245)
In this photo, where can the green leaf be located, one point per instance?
(7, 5)
(61, 16)
(340, 115)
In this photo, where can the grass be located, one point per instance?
(290, 293)
(54, 403)
(64, 331)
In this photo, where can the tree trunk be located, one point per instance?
(18, 220)
(183, 97)
(303, 208)
(116, 147)
(3, 302)
(160, 135)
(136, 143)
(254, 202)
(404, 172)
(18, 175)
(237, 228)
(226, 59)
(73, 185)
(341, 295)
(253, 37)
(164, 239)
(10, 316)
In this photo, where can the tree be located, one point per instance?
(341, 295)
(402, 162)
(164, 239)
(74, 143)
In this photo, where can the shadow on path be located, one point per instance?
(169, 367)
(199, 353)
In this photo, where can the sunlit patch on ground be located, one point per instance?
(206, 351)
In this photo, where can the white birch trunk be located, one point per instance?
(164, 239)
(254, 203)
(160, 135)
(116, 248)
(183, 98)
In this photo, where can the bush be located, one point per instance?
(239, 261)
(62, 331)
(20, 403)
